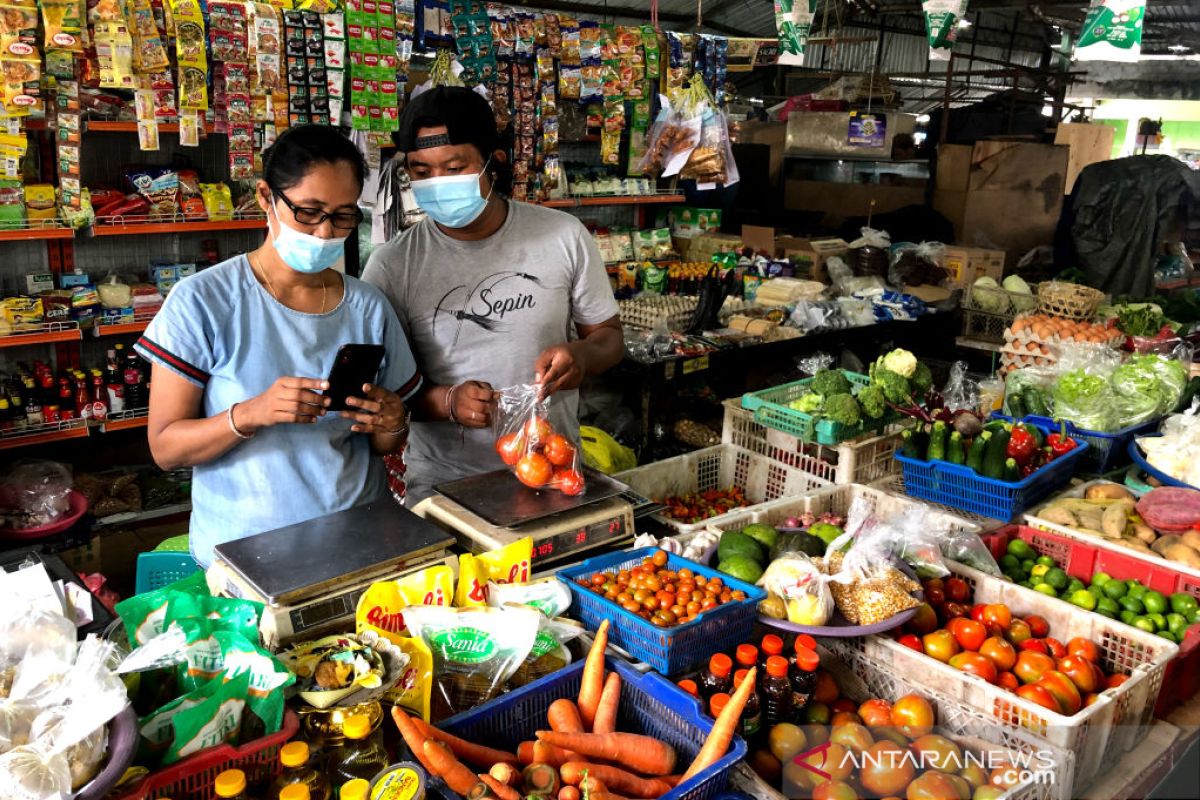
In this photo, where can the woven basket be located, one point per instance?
(1068, 300)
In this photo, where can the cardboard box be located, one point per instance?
(116, 316)
(688, 221)
(69, 280)
(968, 264)
(42, 282)
(809, 255)
(702, 248)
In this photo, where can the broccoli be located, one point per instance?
(872, 401)
(830, 382)
(895, 387)
(921, 380)
(842, 408)
(809, 403)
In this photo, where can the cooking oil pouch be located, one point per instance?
(548, 595)
(157, 728)
(412, 691)
(509, 564)
(269, 679)
(218, 201)
(144, 614)
(216, 720)
(382, 604)
(475, 651)
(550, 652)
(230, 613)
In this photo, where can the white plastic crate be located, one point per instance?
(860, 678)
(1097, 734)
(721, 467)
(863, 460)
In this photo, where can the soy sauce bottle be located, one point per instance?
(777, 697)
(746, 656)
(751, 722)
(803, 671)
(772, 646)
(717, 678)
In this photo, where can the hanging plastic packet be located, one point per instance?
(230, 612)
(1112, 31)
(144, 614)
(509, 564)
(217, 719)
(475, 651)
(528, 444)
(549, 595)
(550, 652)
(941, 25)
(269, 679)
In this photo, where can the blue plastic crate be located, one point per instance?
(959, 486)
(650, 705)
(1106, 452)
(671, 651)
(160, 568)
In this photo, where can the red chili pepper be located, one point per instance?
(1021, 445)
(1059, 442)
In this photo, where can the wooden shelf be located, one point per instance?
(41, 337)
(76, 429)
(127, 424)
(158, 228)
(37, 234)
(123, 329)
(615, 200)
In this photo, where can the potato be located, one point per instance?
(1112, 521)
(1191, 539)
(1182, 554)
(1107, 491)
(1143, 532)
(1134, 544)
(1161, 544)
(1059, 516)
(1093, 518)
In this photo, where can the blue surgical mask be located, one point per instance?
(451, 200)
(304, 252)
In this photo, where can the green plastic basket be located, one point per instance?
(770, 407)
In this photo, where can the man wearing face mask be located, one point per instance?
(492, 293)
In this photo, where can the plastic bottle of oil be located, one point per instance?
(231, 785)
(362, 755)
(295, 791)
(296, 759)
(355, 790)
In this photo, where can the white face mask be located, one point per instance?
(304, 252)
(452, 200)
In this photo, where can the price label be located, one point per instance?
(695, 365)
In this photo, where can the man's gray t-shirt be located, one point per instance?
(485, 310)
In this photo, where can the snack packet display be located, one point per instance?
(540, 457)
(509, 564)
(475, 651)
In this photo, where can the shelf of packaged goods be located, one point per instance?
(43, 434)
(150, 228)
(125, 421)
(36, 233)
(129, 126)
(615, 200)
(42, 334)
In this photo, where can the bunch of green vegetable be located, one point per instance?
(1000, 450)
(1142, 388)
(831, 396)
(901, 377)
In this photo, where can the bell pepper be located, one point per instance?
(1021, 445)
(1060, 443)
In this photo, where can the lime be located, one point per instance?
(1058, 579)
(1076, 585)
(1115, 589)
(1104, 613)
(1101, 578)
(1014, 575)
(1009, 562)
(1154, 602)
(1127, 617)
(1019, 548)
(1026, 584)
(1160, 622)
(1046, 589)
(1194, 617)
(1046, 561)
(1131, 603)
(1028, 565)
(1095, 591)
(1039, 571)
(1136, 589)
(1170, 637)
(1083, 599)
(1177, 625)
(1107, 606)
(1144, 624)
(1184, 603)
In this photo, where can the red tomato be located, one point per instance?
(913, 715)
(924, 620)
(997, 614)
(559, 451)
(1030, 666)
(538, 430)
(1055, 648)
(940, 645)
(534, 470)
(938, 752)
(886, 771)
(954, 610)
(1081, 673)
(957, 590)
(934, 785)
(568, 481)
(1040, 695)
(1084, 649)
(1000, 652)
(1006, 680)
(1038, 626)
(1113, 681)
(969, 633)
(876, 713)
(1018, 631)
(910, 640)
(1064, 691)
(510, 447)
(1035, 645)
(977, 612)
(834, 790)
(976, 665)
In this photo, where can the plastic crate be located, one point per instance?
(668, 650)
(894, 484)
(1106, 451)
(958, 486)
(770, 407)
(984, 327)
(860, 678)
(863, 460)
(1079, 560)
(650, 704)
(722, 467)
(192, 778)
(160, 568)
(1097, 734)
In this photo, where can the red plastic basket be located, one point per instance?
(1080, 560)
(193, 777)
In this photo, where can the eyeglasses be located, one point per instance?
(342, 220)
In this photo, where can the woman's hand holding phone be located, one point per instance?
(378, 411)
(288, 400)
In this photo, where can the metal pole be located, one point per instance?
(945, 133)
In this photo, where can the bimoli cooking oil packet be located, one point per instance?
(475, 651)
(509, 564)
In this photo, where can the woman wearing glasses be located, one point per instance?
(240, 351)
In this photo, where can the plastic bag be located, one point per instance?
(549, 595)
(603, 453)
(918, 265)
(34, 493)
(709, 161)
(83, 757)
(871, 238)
(32, 773)
(1040, 379)
(811, 365)
(1177, 451)
(672, 138)
(549, 652)
(16, 719)
(796, 591)
(539, 456)
(1147, 386)
(961, 391)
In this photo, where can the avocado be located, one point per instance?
(764, 534)
(825, 531)
(736, 543)
(742, 568)
(798, 542)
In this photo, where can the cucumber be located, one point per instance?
(996, 426)
(955, 453)
(1035, 402)
(978, 448)
(996, 453)
(1016, 405)
(937, 443)
(1012, 473)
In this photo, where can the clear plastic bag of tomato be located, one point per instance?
(540, 456)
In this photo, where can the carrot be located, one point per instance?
(541, 780)
(525, 752)
(474, 754)
(569, 793)
(671, 780)
(501, 790)
(412, 736)
(717, 742)
(554, 756)
(480, 791)
(615, 779)
(643, 754)
(591, 686)
(448, 768)
(592, 785)
(610, 702)
(563, 716)
(506, 774)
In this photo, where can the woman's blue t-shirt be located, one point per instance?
(222, 331)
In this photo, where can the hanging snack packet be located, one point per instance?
(475, 651)
(509, 564)
(218, 201)
(527, 442)
(549, 595)
(144, 615)
(549, 653)
(64, 22)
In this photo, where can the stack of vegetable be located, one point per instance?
(581, 754)
(831, 396)
(999, 450)
(1012, 296)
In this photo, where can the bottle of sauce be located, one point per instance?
(134, 378)
(803, 675)
(689, 686)
(114, 382)
(746, 656)
(772, 645)
(718, 677)
(231, 785)
(777, 697)
(717, 703)
(296, 759)
(362, 754)
(34, 414)
(751, 722)
(99, 396)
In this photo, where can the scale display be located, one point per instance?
(582, 538)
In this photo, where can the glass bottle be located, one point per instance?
(751, 721)
(777, 697)
(360, 756)
(717, 678)
(231, 785)
(296, 760)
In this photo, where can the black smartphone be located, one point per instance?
(354, 365)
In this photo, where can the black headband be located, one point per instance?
(426, 142)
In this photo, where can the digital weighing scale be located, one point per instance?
(310, 575)
(489, 511)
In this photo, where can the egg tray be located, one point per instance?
(647, 311)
